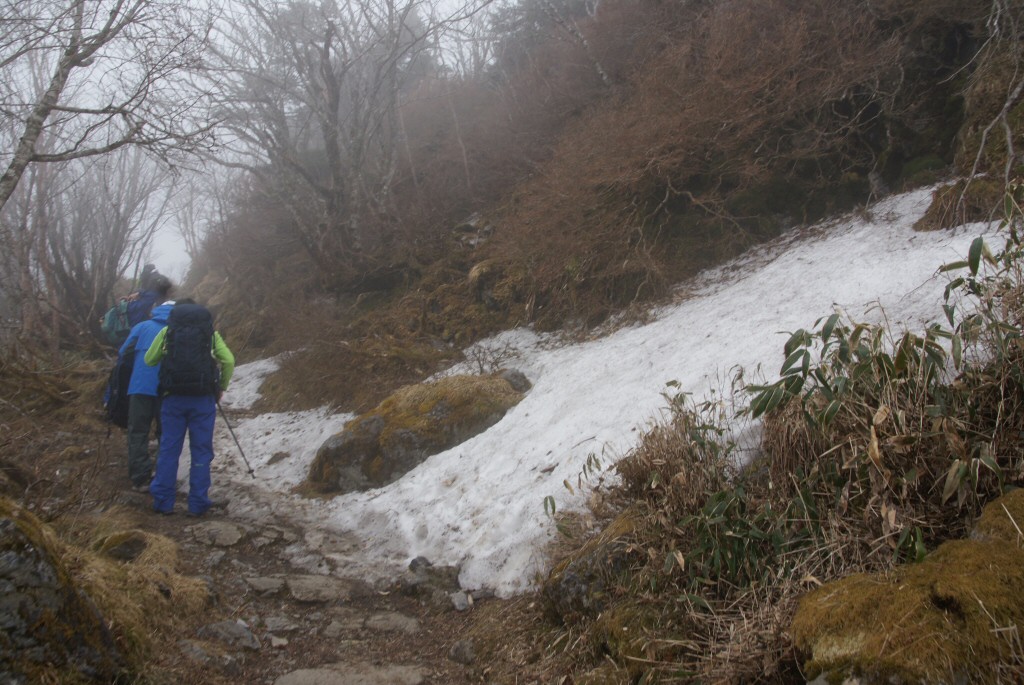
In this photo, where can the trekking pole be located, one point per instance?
(238, 444)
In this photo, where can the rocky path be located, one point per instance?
(276, 623)
(284, 612)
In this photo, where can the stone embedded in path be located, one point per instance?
(348, 621)
(391, 621)
(345, 619)
(280, 624)
(265, 585)
(462, 652)
(435, 584)
(232, 634)
(312, 588)
(200, 653)
(335, 629)
(267, 537)
(461, 601)
(355, 674)
(218, 533)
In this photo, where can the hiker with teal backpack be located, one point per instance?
(195, 369)
(142, 391)
(129, 311)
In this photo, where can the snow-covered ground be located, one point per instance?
(481, 504)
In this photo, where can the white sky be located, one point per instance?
(168, 252)
(481, 505)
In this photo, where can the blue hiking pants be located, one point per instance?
(178, 414)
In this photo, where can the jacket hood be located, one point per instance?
(161, 312)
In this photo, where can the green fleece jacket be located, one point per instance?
(221, 353)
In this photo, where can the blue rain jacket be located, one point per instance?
(145, 379)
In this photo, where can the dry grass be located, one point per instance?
(719, 126)
(963, 202)
(142, 599)
(145, 601)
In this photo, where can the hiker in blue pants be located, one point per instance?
(195, 369)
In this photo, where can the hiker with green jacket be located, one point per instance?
(195, 369)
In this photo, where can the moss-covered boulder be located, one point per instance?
(951, 618)
(578, 586)
(417, 421)
(50, 631)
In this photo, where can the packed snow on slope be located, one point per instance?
(245, 386)
(481, 505)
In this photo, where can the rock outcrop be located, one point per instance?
(414, 423)
(951, 618)
(49, 629)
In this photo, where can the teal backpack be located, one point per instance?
(115, 325)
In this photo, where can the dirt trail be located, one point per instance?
(281, 615)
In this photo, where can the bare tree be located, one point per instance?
(312, 95)
(80, 78)
(73, 230)
(194, 206)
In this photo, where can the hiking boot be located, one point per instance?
(195, 515)
(163, 513)
(141, 488)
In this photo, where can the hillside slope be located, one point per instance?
(481, 505)
(722, 126)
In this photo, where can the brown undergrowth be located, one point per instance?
(719, 125)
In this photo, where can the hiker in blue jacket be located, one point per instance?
(143, 395)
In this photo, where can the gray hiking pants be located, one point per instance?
(143, 410)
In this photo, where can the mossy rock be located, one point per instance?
(624, 632)
(1002, 520)
(415, 422)
(50, 631)
(577, 587)
(933, 622)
